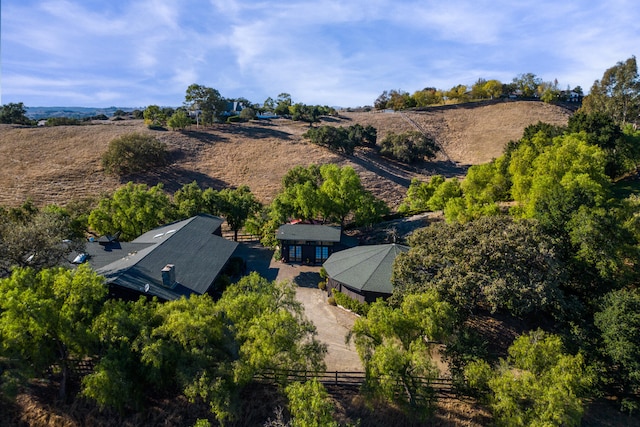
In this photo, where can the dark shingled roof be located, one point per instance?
(191, 246)
(309, 232)
(365, 268)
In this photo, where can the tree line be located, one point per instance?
(523, 85)
(541, 235)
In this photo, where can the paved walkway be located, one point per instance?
(333, 323)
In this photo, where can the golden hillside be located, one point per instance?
(59, 164)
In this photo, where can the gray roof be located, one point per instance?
(190, 245)
(309, 232)
(365, 268)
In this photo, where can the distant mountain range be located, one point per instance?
(36, 113)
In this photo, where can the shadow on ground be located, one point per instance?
(307, 279)
(258, 259)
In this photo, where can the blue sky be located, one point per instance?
(130, 53)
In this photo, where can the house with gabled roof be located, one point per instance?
(364, 272)
(178, 259)
(311, 243)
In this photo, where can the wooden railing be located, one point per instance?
(442, 387)
(242, 237)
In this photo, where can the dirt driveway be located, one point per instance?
(333, 323)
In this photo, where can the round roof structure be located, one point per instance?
(365, 268)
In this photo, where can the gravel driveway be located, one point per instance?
(333, 323)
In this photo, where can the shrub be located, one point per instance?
(342, 139)
(179, 120)
(234, 119)
(331, 301)
(310, 405)
(322, 285)
(361, 308)
(408, 147)
(62, 121)
(248, 114)
(134, 153)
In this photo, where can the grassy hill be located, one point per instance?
(59, 164)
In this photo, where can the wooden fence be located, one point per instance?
(242, 237)
(442, 387)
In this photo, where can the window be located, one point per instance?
(295, 253)
(322, 253)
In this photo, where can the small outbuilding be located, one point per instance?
(364, 272)
(311, 243)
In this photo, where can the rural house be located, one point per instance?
(175, 260)
(364, 272)
(311, 243)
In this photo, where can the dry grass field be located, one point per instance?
(60, 164)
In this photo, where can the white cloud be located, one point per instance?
(325, 51)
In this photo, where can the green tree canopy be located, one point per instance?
(538, 385)
(617, 94)
(622, 150)
(14, 113)
(493, 88)
(236, 205)
(179, 120)
(493, 263)
(206, 349)
(35, 238)
(120, 379)
(427, 96)
(306, 113)
(408, 147)
(283, 102)
(189, 200)
(527, 83)
(132, 210)
(328, 193)
(154, 116)
(45, 318)
(270, 328)
(619, 324)
(133, 153)
(206, 100)
(392, 343)
(342, 139)
(310, 405)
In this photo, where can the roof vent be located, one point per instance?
(108, 239)
(169, 276)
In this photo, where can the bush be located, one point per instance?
(342, 139)
(62, 121)
(310, 405)
(248, 114)
(408, 147)
(322, 285)
(361, 308)
(134, 153)
(331, 301)
(234, 119)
